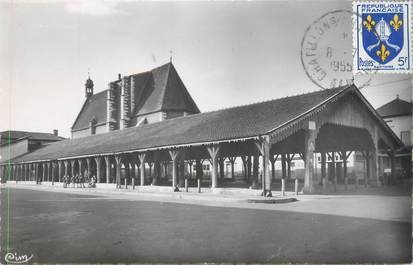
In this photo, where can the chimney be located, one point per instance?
(55, 132)
(119, 76)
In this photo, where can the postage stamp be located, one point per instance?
(382, 36)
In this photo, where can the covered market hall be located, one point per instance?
(332, 121)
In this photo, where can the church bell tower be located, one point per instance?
(89, 87)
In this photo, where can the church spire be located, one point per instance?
(88, 86)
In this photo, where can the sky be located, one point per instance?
(226, 53)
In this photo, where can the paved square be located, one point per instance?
(58, 227)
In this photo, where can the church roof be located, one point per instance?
(242, 122)
(167, 92)
(162, 90)
(396, 107)
(93, 108)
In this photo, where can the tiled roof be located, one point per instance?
(93, 108)
(166, 91)
(161, 90)
(396, 107)
(232, 123)
(31, 135)
(176, 96)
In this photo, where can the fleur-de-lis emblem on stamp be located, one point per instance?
(396, 23)
(369, 23)
(383, 53)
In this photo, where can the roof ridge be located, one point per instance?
(25, 132)
(140, 73)
(273, 99)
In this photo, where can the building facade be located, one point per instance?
(17, 143)
(398, 115)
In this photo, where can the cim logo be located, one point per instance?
(17, 259)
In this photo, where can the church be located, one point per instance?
(134, 100)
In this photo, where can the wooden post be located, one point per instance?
(296, 186)
(324, 176)
(108, 166)
(53, 169)
(199, 185)
(186, 184)
(174, 156)
(98, 161)
(156, 171)
(367, 173)
(289, 160)
(345, 156)
(255, 169)
(165, 170)
(244, 166)
(213, 151)
(267, 178)
(249, 167)
(80, 171)
(2, 174)
(44, 172)
(66, 163)
(36, 172)
(375, 167)
(142, 159)
(309, 147)
(15, 172)
(60, 170)
(282, 187)
(221, 161)
(30, 172)
(132, 172)
(20, 172)
(283, 166)
(118, 160)
(392, 168)
(232, 161)
(198, 166)
(21, 177)
(89, 166)
(263, 146)
(24, 168)
(150, 168)
(72, 167)
(47, 166)
(273, 159)
(333, 161)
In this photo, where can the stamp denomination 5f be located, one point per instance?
(382, 36)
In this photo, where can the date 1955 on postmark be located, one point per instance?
(382, 36)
